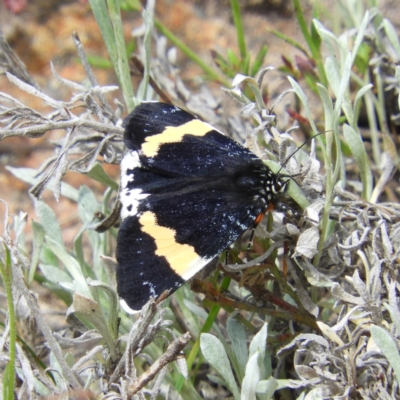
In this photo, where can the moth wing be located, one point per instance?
(181, 205)
(176, 143)
(171, 238)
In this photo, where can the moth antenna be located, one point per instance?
(299, 148)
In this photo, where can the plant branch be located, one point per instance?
(42, 325)
(173, 352)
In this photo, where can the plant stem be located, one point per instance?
(6, 273)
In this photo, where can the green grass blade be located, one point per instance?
(122, 69)
(214, 75)
(99, 9)
(312, 45)
(291, 41)
(258, 62)
(108, 17)
(237, 19)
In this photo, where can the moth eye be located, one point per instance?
(280, 186)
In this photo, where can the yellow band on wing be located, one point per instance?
(179, 256)
(173, 134)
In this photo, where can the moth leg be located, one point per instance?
(259, 218)
(252, 232)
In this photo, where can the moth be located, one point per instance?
(187, 192)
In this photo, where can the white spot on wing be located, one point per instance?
(130, 202)
(130, 198)
(130, 161)
(126, 308)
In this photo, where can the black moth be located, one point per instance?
(187, 192)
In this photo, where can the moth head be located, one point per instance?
(280, 183)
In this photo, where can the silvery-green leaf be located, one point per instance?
(193, 314)
(113, 304)
(71, 265)
(358, 99)
(110, 266)
(239, 78)
(360, 35)
(148, 18)
(41, 390)
(359, 285)
(237, 334)
(214, 352)
(38, 240)
(216, 379)
(195, 309)
(97, 172)
(87, 204)
(20, 223)
(333, 74)
(78, 247)
(392, 36)
(397, 75)
(57, 375)
(328, 106)
(342, 90)
(393, 306)
(349, 315)
(251, 379)
(89, 310)
(259, 344)
(305, 372)
(70, 286)
(330, 40)
(69, 358)
(356, 145)
(302, 96)
(330, 334)
(339, 293)
(388, 347)
(49, 221)
(183, 367)
(307, 243)
(268, 387)
(29, 175)
(54, 274)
